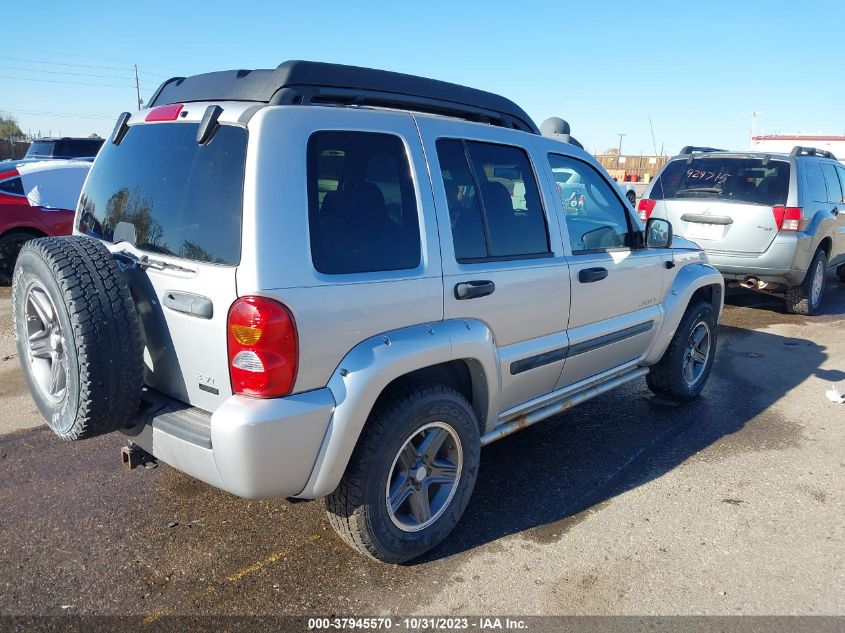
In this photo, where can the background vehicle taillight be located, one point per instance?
(645, 208)
(787, 218)
(263, 347)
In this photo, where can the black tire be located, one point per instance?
(10, 247)
(840, 272)
(632, 198)
(358, 510)
(94, 319)
(667, 378)
(800, 299)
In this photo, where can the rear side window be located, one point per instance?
(834, 188)
(13, 186)
(178, 197)
(362, 208)
(816, 189)
(494, 201)
(724, 178)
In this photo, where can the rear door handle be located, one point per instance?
(589, 275)
(474, 289)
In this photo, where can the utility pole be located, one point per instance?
(137, 87)
(619, 150)
(753, 128)
(653, 142)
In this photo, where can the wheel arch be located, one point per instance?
(460, 354)
(693, 282)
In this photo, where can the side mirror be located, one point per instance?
(658, 233)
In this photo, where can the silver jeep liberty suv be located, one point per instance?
(329, 281)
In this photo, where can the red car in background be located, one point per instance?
(37, 199)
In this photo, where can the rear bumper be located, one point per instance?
(252, 448)
(785, 261)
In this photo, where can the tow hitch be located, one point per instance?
(133, 456)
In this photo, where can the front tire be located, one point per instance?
(10, 247)
(840, 272)
(685, 366)
(410, 477)
(806, 297)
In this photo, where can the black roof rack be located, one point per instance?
(318, 83)
(692, 149)
(810, 151)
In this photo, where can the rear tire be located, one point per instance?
(10, 247)
(806, 297)
(77, 334)
(632, 198)
(685, 366)
(379, 506)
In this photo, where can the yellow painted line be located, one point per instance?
(272, 558)
(154, 615)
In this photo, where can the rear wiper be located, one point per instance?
(700, 190)
(126, 260)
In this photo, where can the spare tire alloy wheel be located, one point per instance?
(697, 353)
(78, 336)
(46, 341)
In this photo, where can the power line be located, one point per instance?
(64, 72)
(37, 61)
(64, 54)
(62, 114)
(56, 81)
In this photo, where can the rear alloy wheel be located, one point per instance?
(806, 297)
(410, 477)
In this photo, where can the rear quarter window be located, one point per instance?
(12, 186)
(816, 189)
(362, 209)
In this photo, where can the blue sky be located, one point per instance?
(698, 68)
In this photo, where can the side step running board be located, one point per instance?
(527, 419)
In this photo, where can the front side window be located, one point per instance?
(834, 188)
(595, 216)
(494, 202)
(362, 208)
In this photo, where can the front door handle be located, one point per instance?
(589, 275)
(474, 289)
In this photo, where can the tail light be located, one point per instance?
(168, 112)
(787, 218)
(263, 348)
(645, 208)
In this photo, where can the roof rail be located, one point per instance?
(318, 83)
(692, 149)
(810, 151)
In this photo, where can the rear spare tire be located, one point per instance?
(77, 336)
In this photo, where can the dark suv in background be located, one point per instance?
(65, 147)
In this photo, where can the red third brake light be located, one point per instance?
(787, 218)
(164, 113)
(263, 347)
(645, 207)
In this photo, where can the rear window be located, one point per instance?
(724, 178)
(182, 198)
(77, 148)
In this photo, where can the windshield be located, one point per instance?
(732, 179)
(176, 196)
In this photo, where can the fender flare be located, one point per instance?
(373, 364)
(689, 279)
